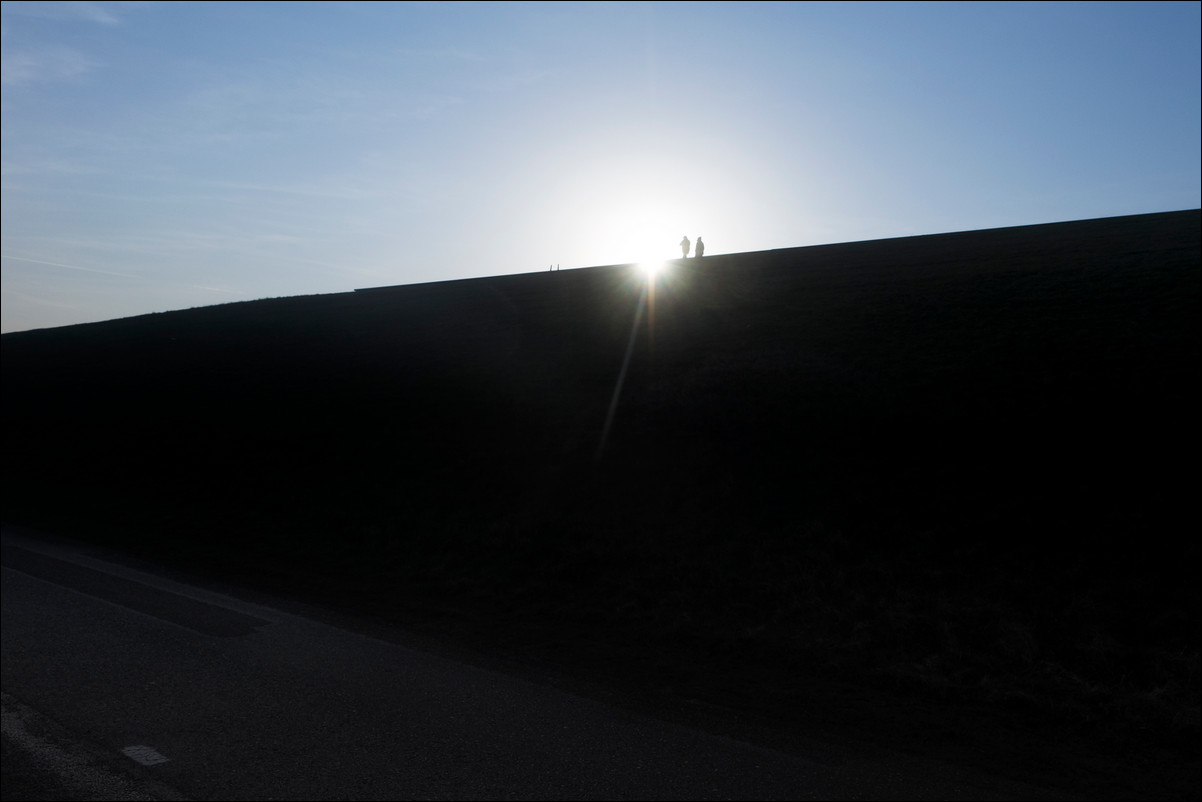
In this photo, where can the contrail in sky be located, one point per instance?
(69, 267)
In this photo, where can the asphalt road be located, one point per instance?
(123, 683)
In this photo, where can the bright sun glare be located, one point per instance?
(643, 233)
(652, 269)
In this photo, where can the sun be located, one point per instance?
(643, 232)
(653, 269)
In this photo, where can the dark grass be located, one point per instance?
(961, 466)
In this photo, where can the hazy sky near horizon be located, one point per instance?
(161, 156)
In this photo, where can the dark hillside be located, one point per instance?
(964, 461)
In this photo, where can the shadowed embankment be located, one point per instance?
(963, 463)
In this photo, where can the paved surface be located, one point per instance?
(120, 684)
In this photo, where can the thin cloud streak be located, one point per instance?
(43, 66)
(73, 10)
(36, 300)
(69, 267)
(218, 290)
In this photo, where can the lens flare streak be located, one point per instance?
(613, 403)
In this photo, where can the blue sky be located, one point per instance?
(161, 156)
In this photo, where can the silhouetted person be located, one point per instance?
(684, 247)
(699, 251)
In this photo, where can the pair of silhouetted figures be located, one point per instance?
(698, 252)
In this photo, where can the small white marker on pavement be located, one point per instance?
(144, 755)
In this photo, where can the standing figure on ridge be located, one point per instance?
(684, 247)
(700, 249)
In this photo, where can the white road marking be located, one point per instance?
(79, 770)
(144, 755)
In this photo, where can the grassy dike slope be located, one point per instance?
(961, 465)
